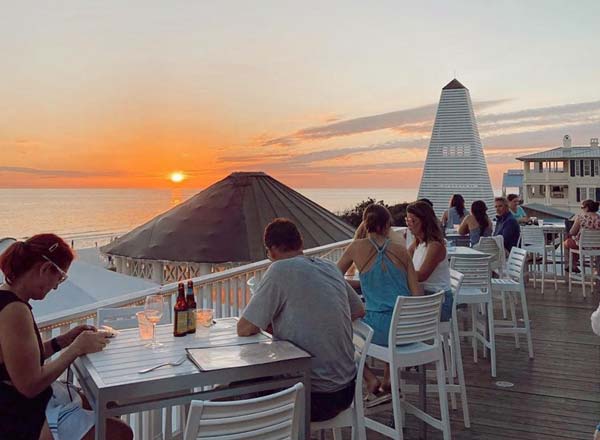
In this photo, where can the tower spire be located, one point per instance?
(455, 161)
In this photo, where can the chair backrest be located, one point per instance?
(515, 265)
(267, 418)
(416, 319)
(456, 279)
(489, 245)
(589, 241)
(476, 270)
(124, 317)
(362, 339)
(532, 236)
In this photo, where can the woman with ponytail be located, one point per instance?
(455, 213)
(386, 272)
(477, 224)
(32, 268)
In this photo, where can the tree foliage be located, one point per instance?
(354, 215)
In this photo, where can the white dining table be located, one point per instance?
(112, 383)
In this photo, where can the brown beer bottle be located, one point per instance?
(191, 304)
(180, 313)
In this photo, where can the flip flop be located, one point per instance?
(379, 398)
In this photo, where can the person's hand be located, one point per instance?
(597, 435)
(90, 342)
(67, 339)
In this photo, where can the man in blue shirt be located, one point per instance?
(517, 210)
(506, 224)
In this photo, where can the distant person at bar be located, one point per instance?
(516, 209)
(306, 300)
(32, 405)
(588, 218)
(429, 254)
(455, 214)
(386, 272)
(506, 224)
(477, 224)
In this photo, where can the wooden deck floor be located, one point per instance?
(555, 396)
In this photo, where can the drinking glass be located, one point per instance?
(204, 317)
(153, 309)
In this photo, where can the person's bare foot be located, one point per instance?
(373, 386)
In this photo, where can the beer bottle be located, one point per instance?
(191, 304)
(180, 315)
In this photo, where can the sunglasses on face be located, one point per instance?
(63, 274)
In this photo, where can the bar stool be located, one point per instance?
(476, 290)
(513, 284)
(533, 241)
(414, 340)
(589, 246)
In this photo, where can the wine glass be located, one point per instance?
(153, 309)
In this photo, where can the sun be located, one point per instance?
(177, 177)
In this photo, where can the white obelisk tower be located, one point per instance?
(455, 162)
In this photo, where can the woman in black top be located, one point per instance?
(31, 269)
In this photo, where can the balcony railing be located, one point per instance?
(227, 292)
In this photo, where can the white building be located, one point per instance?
(455, 162)
(562, 177)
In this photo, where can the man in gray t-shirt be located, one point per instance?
(306, 300)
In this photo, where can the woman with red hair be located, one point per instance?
(32, 268)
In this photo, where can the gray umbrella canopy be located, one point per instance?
(225, 222)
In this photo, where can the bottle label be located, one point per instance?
(181, 322)
(191, 320)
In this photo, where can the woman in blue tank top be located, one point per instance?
(386, 272)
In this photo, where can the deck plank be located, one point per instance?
(556, 395)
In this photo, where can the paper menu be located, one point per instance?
(236, 356)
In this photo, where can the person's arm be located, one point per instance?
(463, 229)
(596, 321)
(435, 255)
(357, 308)
(576, 227)
(347, 259)
(66, 339)
(412, 247)
(444, 219)
(264, 304)
(246, 328)
(413, 281)
(21, 354)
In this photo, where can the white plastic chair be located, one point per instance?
(452, 356)
(271, 417)
(414, 340)
(355, 415)
(589, 246)
(533, 241)
(513, 285)
(124, 317)
(476, 290)
(494, 247)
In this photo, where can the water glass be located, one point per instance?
(154, 309)
(144, 326)
(204, 317)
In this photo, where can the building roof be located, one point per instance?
(550, 210)
(454, 84)
(225, 223)
(578, 152)
(512, 179)
(87, 284)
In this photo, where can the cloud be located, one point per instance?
(421, 117)
(56, 173)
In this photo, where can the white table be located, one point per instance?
(112, 384)
(463, 251)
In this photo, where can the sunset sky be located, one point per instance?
(318, 94)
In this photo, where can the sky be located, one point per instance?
(317, 94)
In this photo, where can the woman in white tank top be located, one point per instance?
(429, 253)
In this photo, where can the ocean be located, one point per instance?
(92, 216)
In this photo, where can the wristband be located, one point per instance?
(55, 345)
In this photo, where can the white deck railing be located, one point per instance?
(226, 292)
